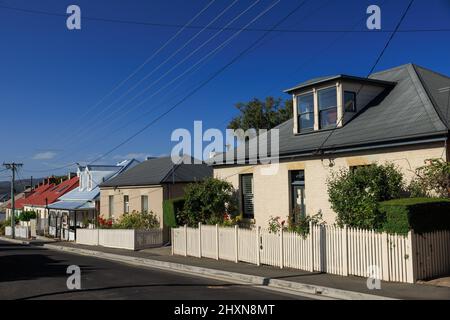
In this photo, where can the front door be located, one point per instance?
(298, 207)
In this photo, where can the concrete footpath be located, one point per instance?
(319, 284)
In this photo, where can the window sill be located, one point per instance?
(308, 132)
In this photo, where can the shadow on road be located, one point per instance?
(16, 267)
(218, 286)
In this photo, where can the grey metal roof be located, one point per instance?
(320, 80)
(403, 112)
(158, 171)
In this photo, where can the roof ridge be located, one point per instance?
(402, 66)
(430, 70)
(441, 117)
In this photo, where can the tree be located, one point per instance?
(210, 201)
(355, 194)
(257, 114)
(431, 179)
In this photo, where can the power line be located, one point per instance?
(204, 83)
(108, 107)
(265, 29)
(140, 67)
(380, 55)
(210, 54)
(55, 169)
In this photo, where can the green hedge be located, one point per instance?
(171, 208)
(418, 214)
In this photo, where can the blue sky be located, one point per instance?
(52, 79)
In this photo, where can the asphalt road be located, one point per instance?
(29, 272)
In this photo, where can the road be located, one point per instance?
(30, 272)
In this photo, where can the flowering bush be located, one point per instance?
(276, 224)
(104, 223)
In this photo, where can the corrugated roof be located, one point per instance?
(406, 111)
(158, 171)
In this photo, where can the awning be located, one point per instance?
(69, 205)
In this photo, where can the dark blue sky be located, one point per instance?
(52, 79)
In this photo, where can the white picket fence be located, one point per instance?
(19, 232)
(120, 238)
(340, 251)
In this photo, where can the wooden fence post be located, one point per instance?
(385, 257)
(410, 270)
(199, 239)
(236, 244)
(217, 242)
(185, 241)
(281, 249)
(258, 253)
(345, 250)
(311, 245)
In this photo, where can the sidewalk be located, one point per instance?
(354, 287)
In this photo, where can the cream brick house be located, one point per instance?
(145, 187)
(400, 115)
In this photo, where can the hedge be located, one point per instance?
(170, 209)
(418, 214)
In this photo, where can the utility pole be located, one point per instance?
(13, 167)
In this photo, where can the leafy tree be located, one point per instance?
(354, 194)
(431, 179)
(258, 114)
(210, 201)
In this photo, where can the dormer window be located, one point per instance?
(330, 102)
(327, 100)
(305, 104)
(349, 101)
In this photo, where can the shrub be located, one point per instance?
(171, 211)
(3, 224)
(27, 215)
(419, 214)
(208, 202)
(431, 179)
(138, 221)
(354, 195)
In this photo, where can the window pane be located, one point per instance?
(111, 206)
(144, 203)
(328, 118)
(328, 107)
(305, 103)
(126, 204)
(327, 98)
(349, 101)
(306, 121)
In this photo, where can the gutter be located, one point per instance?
(341, 150)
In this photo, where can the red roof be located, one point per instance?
(19, 203)
(47, 193)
